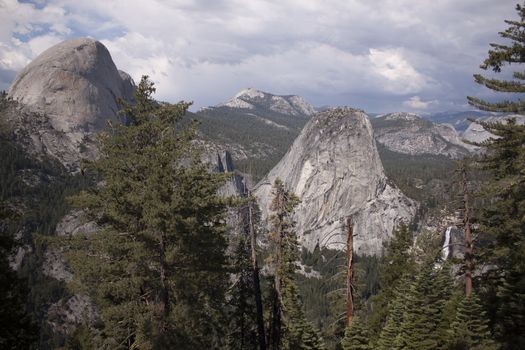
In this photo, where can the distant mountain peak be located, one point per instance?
(401, 116)
(250, 93)
(251, 98)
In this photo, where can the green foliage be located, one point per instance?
(418, 331)
(470, 329)
(265, 145)
(501, 226)
(34, 191)
(323, 293)
(502, 219)
(356, 337)
(396, 311)
(396, 265)
(499, 56)
(425, 178)
(157, 269)
(242, 310)
(289, 328)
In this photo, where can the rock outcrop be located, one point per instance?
(70, 90)
(410, 134)
(287, 104)
(334, 168)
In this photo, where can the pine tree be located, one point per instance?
(356, 336)
(470, 328)
(502, 219)
(445, 300)
(396, 311)
(242, 318)
(396, 265)
(418, 331)
(289, 328)
(502, 228)
(499, 56)
(157, 269)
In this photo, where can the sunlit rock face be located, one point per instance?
(255, 99)
(410, 134)
(72, 89)
(334, 168)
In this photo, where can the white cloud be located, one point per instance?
(203, 50)
(415, 102)
(399, 75)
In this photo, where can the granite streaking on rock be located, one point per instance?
(74, 86)
(334, 168)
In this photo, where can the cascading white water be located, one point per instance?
(446, 243)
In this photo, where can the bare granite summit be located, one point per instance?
(334, 168)
(74, 85)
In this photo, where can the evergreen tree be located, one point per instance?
(242, 318)
(418, 331)
(470, 328)
(356, 336)
(157, 268)
(499, 56)
(502, 229)
(396, 264)
(289, 328)
(396, 311)
(398, 260)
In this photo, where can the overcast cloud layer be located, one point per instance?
(383, 55)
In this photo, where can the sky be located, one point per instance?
(380, 56)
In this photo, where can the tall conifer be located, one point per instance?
(157, 268)
(289, 328)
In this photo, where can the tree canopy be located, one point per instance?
(500, 55)
(157, 268)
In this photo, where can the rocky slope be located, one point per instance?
(334, 168)
(70, 91)
(254, 99)
(459, 119)
(257, 127)
(408, 133)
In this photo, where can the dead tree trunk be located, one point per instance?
(349, 274)
(255, 278)
(467, 234)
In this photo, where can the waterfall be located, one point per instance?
(446, 243)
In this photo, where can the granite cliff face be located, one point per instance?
(334, 168)
(67, 94)
(410, 134)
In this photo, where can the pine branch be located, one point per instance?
(505, 106)
(500, 85)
